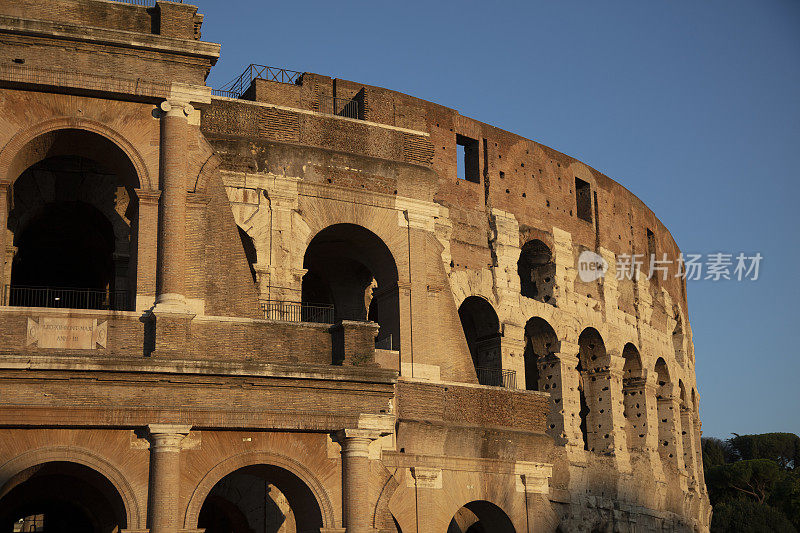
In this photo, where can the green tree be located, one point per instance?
(753, 482)
(747, 516)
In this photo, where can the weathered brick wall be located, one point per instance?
(111, 15)
(167, 19)
(473, 405)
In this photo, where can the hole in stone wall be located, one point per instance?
(536, 270)
(467, 159)
(583, 196)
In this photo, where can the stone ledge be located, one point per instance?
(179, 366)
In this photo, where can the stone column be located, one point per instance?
(145, 249)
(689, 455)
(165, 447)
(355, 479)
(3, 233)
(172, 219)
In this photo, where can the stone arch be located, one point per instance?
(478, 516)
(62, 178)
(209, 167)
(29, 146)
(243, 460)
(350, 267)
(541, 342)
(87, 458)
(632, 362)
(481, 327)
(593, 402)
(663, 380)
(634, 401)
(537, 271)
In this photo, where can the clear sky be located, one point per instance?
(692, 105)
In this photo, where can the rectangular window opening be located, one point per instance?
(583, 196)
(467, 159)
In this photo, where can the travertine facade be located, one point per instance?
(301, 307)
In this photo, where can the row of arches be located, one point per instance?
(72, 497)
(597, 385)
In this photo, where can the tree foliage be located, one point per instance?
(753, 482)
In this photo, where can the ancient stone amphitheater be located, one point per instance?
(301, 303)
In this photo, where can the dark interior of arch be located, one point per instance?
(260, 499)
(662, 375)
(352, 269)
(540, 341)
(71, 223)
(480, 517)
(632, 367)
(482, 331)
(62, 497)
(536, 271)
(592, 350)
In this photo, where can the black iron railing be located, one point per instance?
(60, 297)
(384, 343)
(496, 377)
(343, 107)
(297, 312)
(237, 87)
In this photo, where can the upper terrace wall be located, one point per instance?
(516, 175)
(104, 40)
(169, 19)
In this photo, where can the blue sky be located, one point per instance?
(693, 106)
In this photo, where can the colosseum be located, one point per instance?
(304, 304)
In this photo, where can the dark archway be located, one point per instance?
(540, 341)
(633, 399)
(61, 496)
(537, 271)
(260, 499)
(73, 214)
(592, 357)
(480, 517)
(352, 269)
(482, 331)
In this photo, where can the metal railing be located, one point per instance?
(496, 377)
(343, 107)
(237, 87)
(384, 343)
(297, 312)
(61, 297)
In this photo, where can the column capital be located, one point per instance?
(148, 196)
(176, 108)
(167, 437)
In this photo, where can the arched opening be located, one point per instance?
(678, 338)
(61, 496)
(352, 269)
(592, 357)
(260, 499)
(537, 271)
(482, 331)
(480, 517)
(540, 341)
(634, 404)
(666, 414)
(73, 213)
